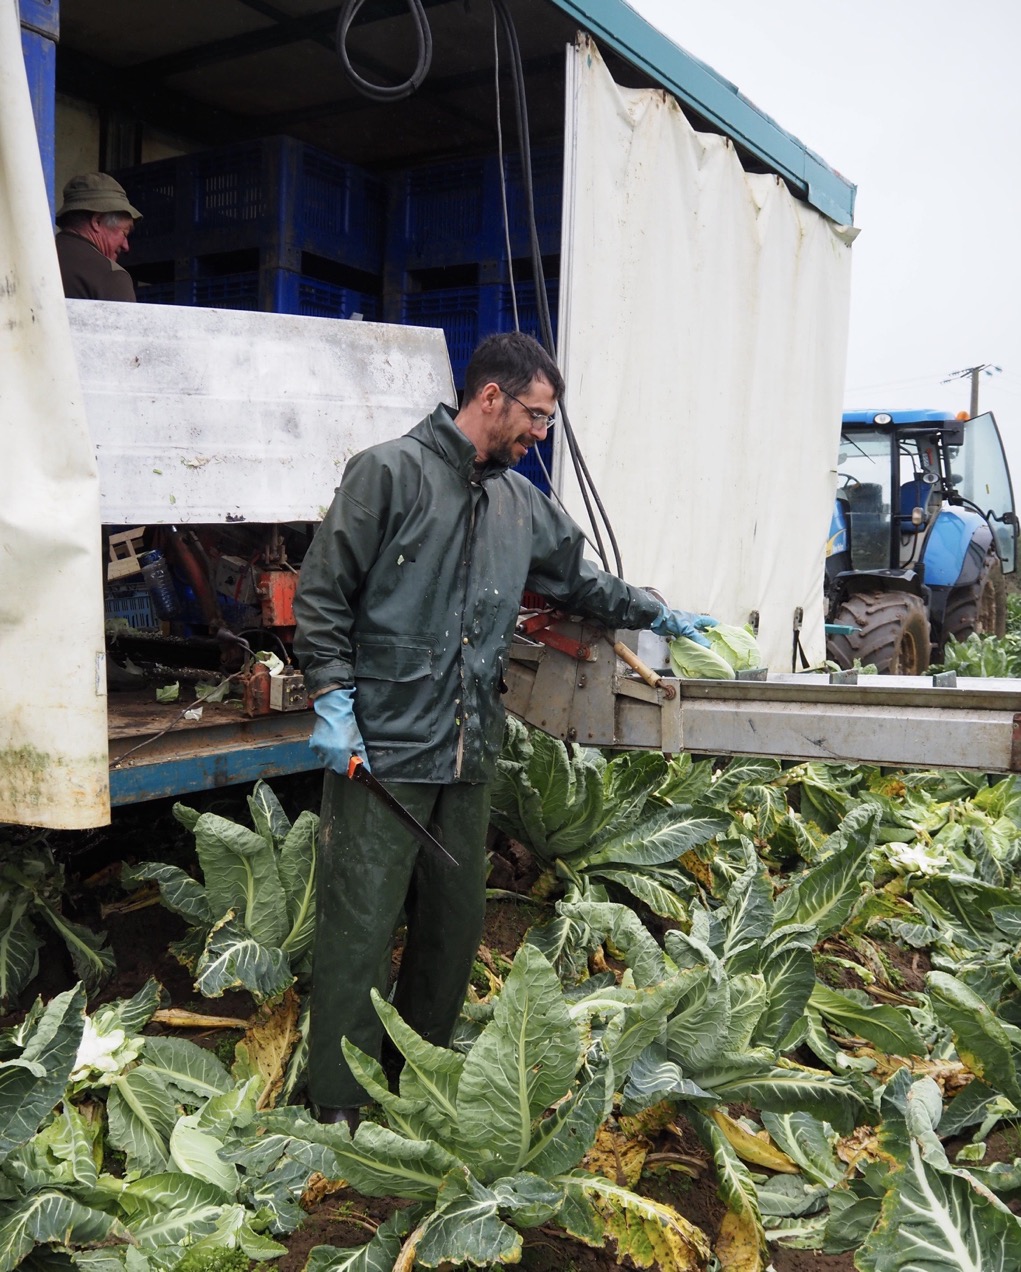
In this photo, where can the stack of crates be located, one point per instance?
(272, 225)
(447, 262)
(279, 226)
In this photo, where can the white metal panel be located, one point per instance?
(214, 415)
(53, 749)
(703, 327)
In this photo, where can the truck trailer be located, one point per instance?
(337, 204)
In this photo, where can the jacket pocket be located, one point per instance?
(396, 699)
(396, 658)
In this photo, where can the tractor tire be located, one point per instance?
(978, 607)
(893, 633)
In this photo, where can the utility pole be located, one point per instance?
(973, 373)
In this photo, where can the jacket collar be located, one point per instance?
(440, 434)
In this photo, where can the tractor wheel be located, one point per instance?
(978, 607)
(893, 633)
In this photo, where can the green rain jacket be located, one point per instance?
(410, 591)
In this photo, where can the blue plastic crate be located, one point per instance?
(460, 311)
(547, 200)
(228, 187)
(443, 218)
(338, 202)
(227, 291)
(452, 213)
(466, 314)
(528, 309)
(153, 189)
(281, 291)
(156, 293)
(530, 467)
(132, 606)
(325, 300)
(276, 195)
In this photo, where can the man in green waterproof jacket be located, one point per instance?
(406, 608)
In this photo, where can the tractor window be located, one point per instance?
(864, 480)
(918, 492)
(983, 479)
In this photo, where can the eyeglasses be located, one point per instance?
(539, 418)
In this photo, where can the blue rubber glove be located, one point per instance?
(682, 623)
(336, 736)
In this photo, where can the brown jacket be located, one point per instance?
(87, 274)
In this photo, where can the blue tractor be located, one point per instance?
(923, 533)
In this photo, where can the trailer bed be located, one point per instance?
(155, 752)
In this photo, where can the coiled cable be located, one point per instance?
(386, 92)
(586, 485)
(395, 92)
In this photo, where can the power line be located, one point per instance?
(972, 374)
(894, 384)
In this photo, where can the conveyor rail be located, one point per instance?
(902, 721)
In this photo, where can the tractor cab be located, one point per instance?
(924, 509)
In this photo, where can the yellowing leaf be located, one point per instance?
(650, 1120)
(862, 1145)
(757, 1149)
(699, 869)
(616, 1156)
(950, 1075)
(406, 1259)
(545, 886)
(318, 1188)
(738, 1244)
(652, 1235)
(267, 1046)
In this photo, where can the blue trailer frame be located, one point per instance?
(222, 749)
(40, 31)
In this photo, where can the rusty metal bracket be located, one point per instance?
(536, 626)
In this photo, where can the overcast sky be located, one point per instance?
(918, 102)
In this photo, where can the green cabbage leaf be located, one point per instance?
(690, 659)
(736, 645)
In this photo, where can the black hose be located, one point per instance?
(262, 632)
(394, 92)
(386, 92)
(584, 477)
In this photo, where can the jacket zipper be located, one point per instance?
(468, 540)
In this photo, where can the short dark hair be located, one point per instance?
(512, 360)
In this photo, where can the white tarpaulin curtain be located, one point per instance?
(703, 332)
(53, 734)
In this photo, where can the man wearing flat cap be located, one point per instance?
(95, 222)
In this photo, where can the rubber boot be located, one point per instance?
(332, 1117)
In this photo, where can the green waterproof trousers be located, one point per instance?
(370, 869)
